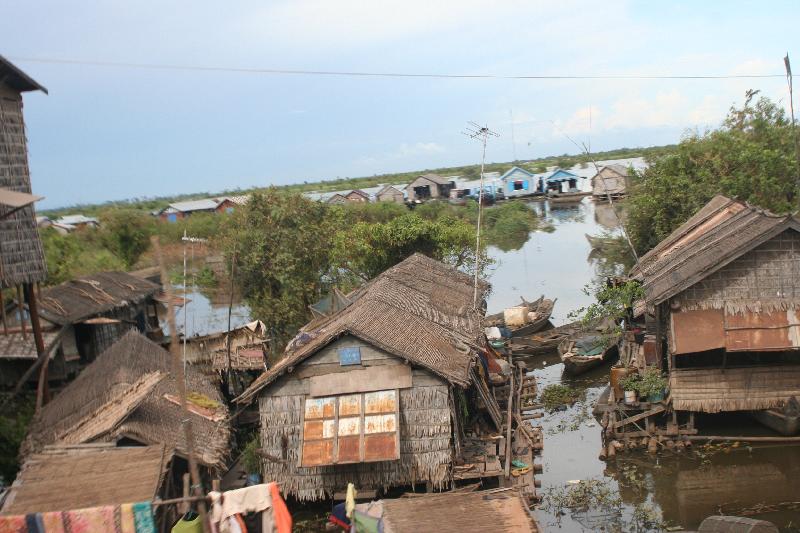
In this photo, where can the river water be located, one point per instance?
(680, 489)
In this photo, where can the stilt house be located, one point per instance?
(22, 263)
(391, 194)
(369, 394)
(722, 294)
(611, 180)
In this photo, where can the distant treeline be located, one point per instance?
(466, 171)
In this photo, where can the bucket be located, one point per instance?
(630, 397)
(657, 397)
(618, 373)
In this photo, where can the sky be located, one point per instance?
(112, 132)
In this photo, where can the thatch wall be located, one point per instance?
(765, 279)
(425, 447)
(712, 390)
(21, 252)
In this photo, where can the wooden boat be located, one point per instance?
(584, 351)
(542, 307)
(598, 243)
(546, 340)
(567, 197)
(785, 420)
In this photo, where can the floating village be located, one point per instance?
(422, 399)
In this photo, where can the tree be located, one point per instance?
(365, 249)
(751, 156)
(281, 244)
(126, 232)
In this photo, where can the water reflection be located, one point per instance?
(552, 263)
(207, 312)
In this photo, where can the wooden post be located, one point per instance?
(509, 422)
(3, 311)
(180, 381)
(21, 307)
(187, 484)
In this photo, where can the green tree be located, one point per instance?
(365, 250)
(126, 233)
(751, 156)
(61, 253)
(281, 243)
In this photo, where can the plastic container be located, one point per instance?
(618, 373)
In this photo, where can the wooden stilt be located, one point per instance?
(21, 306)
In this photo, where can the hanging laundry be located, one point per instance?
(265, 499)
(90, 520)
(54, 522)
(350, 500)
(127, 522)
(13, 524)
(143, 517)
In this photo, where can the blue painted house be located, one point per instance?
(559, 181)
(519, 182)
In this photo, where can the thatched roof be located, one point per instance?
(21, 254)
(721, 231)
(109, 390)
(712, 390)
(420, 310)
(499, 510)
(388, 189)
(433, 178)
(82, 298)
(63, 478)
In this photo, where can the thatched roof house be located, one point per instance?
(63, 478)
(611, 180)
(390, 194)
(100, 308)
(429, 186)
(366, 395)
(128, 395)
(724, 290)
(21, 254)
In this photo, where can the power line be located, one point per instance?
(366, 74)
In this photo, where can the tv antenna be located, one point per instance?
(479, 133)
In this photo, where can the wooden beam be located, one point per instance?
(640, 416)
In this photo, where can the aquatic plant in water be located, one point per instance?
(556, 395)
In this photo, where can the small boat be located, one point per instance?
(598, 243)
(582, 352)
(567, 197)
(546, 340)
(541, 308)
(785, 420)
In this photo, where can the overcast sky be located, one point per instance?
(106, 133)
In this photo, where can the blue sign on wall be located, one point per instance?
(349, 356)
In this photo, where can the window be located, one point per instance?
(520, 185)
(352, 428)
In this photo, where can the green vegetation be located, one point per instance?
(752, 157)
(251, 460)
(649, 384)
(557, 394)
(614, 300)
(126, 233)
(13, 427)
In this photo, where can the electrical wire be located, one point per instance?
(366, 74)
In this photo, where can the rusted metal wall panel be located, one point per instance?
(380, 447)
(380, 402)
(697, 331)
(318, 452)
(380, 423)
(349, 426)
(320, 408)
(350, 405)
(762, 331)
(349, 449)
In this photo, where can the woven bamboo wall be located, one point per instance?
(425, 441)
(21, 254)
(764, 279)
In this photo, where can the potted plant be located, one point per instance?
(630, 385)
(652, 385)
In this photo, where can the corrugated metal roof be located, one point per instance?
(72, 220)
(206, 204)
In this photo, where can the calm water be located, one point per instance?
(680, 488)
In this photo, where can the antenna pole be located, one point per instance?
(480, 133)
(788, 66)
